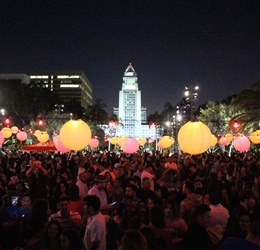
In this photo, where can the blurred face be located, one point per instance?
(150, 204)
(58, 179)
(158, 193)
(19, 189)
(62, 188)
(244, 222)
(197, 184)
(101, 185)
(146, 184)
(4, 177)
(52, 230)
(129, 192)
(36, 170)
(65, 244)
(83, 177)
(224, 193)
(206, 199)
(251, 202)
(26, 201)
(140, 166)
(64, 207)
(205, 220)
(120, 171)
(168, 210)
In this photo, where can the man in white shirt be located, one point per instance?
(219, 218)
(95, 233)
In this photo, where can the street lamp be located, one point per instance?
(191, 97)
(59, 108)
(2, 111)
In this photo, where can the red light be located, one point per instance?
(236, 125)
(7, 121)
(153, 124)
(40, 122)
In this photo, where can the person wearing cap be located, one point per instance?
(81, 183)
(99, 190)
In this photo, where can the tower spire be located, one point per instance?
(130, 70)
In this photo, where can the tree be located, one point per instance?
(26, 101)
(97, 113)
(155, 118)
(247, 104)
(168, 112)
(217, 116)
(75, 109)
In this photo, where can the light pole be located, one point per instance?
(2, 111)
(59, 108)
(191, 97)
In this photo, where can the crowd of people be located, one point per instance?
(111, 200)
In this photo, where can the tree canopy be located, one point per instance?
(247, 104)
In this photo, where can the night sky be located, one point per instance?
(171, 44)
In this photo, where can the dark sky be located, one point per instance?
(171, 44)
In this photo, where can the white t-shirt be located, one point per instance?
(95, 231)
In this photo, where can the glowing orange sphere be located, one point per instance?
(223, 140)
(142, 141)
(255, 137)
(167, 141)
(194, 137)
(113, 140)
(7, 132)
(214, 140)
(121, 140)
(43, 137)
(14, 130)
(75, 134)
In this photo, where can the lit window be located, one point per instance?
(69, 86)
(39, 77)
(65, 76)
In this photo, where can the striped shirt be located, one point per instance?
(65, 221)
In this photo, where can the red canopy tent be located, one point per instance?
(46, 146)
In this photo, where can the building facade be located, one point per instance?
(10, 83)
(130, 112)
(69, 85)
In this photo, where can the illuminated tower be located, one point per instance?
(130, 113)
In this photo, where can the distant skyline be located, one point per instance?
(171, 44)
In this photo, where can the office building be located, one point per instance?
(9, 83)
(69, 85)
